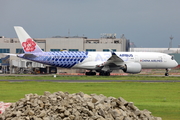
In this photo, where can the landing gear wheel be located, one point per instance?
(166, 74)
(107, 73)
(103, 73)
(90, 73)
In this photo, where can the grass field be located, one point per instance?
(162, 99)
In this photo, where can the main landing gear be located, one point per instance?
(104, 73)
(167, 72)
(90, 73)
(101, 73)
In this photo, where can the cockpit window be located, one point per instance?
(172, 57)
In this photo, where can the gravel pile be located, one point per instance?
(77, 106)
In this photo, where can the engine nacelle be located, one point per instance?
(132, 68)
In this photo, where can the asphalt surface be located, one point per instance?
(91, 81)
(86, 81)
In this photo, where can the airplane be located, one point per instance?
(101, 62)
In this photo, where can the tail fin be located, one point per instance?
(28, 44)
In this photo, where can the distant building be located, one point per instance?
(162, 50)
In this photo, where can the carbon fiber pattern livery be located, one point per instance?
(64, 59)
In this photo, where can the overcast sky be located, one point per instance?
(147, 23)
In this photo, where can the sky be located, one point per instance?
(147, 23)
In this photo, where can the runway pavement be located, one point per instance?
(91, 81)
(85, 81)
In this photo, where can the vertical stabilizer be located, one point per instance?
(28, 44)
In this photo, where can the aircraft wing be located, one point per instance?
(113, 59)
(111, 62)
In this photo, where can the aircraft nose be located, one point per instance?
(176, 64)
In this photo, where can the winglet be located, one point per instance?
(28, 44)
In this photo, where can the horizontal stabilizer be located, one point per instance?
(29, 55)
(10, 54)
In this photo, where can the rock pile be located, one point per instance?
(3, 106)
(77, 106)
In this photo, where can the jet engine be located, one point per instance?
(132, 68)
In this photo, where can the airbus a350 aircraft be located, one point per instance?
(102, 62)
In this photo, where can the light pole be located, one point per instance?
(170, 43)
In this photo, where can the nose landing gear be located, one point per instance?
(167, 72)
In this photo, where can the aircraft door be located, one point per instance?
(137, 59)
(89, 58)
(164, 58)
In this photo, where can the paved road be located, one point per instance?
(91, 81)
(84, 81)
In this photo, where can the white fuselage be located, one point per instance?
(148, 60)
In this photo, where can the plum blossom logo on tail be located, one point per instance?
(29, 45)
